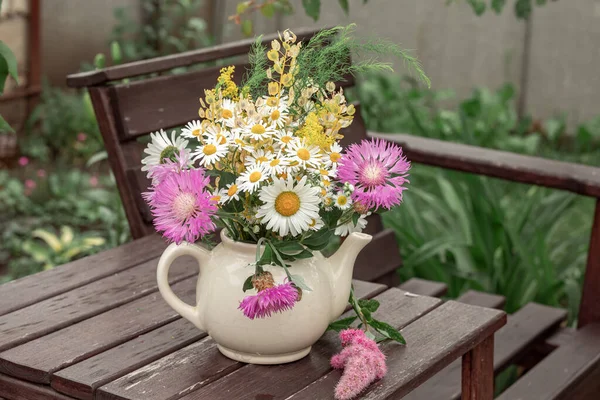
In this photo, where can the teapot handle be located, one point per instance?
(162, 276)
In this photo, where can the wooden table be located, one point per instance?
(97, 328)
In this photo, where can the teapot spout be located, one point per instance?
(342, 265)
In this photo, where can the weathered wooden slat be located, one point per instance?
(165, 63)
(530, 325)
(436, 339)
(277, 383)
(36, 360)
(576, 178)
(557, 374)
(82, 379)
(35, 288)
(374, 224)
(14, 389)
(424, 287)
(186, 370)
(482, 299)
(379, 257)
(97, 297)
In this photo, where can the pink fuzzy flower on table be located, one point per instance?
(182, 206)
(362, 362)
(160, 171)
(23, 161)
(271, 300)
(377, 169)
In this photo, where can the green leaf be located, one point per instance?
(288, 247)
(115, 52)
(341, 324)
(372, 305)
(241, 7)
(248, 284)
(4, 126)
(100, 61)
(387, 330)
(268, 10)
(8, 65)
(318, 240)
(267, 256)
(355, 218)
(345, 6)
(312, 8)
(247, 28)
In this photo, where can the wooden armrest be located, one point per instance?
(577, 178)
(158, 64)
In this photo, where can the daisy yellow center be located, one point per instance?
(258, 129)
(324, 172)
(303, 154)
(209, 149)
(326, 183)
(313, 222)
(286, 139)
(222, 139)
(216, 198)
(275, 115)
(373, 174)
(226, 114)
(287, 203)
(184, 206)
(168, 152)
(196, 132)
(335, 157)
(342, 200)
(261, 159)
(232, 190)
(274, 163)
(255, 176)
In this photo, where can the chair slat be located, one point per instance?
(171, 378)
(37, 360)
(84, 302)
(424, 287)
(555, 376)
(452, 322)
(14, 389)
(379, 259)
(35, 288)
(528, 326)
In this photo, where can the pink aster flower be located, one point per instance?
(377, 169)
(271, 300)
(182, 206)
(362, 362)
(160, 171)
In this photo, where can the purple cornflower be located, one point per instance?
(160, 171)
(362, 362)
(377, 169)
(182, 205)
(271, 300)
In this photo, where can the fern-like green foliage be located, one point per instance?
(255, 79)
(327, 58)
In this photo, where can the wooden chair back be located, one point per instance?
(133, 100)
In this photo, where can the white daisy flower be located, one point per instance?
(277, 165)
(289, 207)
(342, 201)
(231, 192)
(161, 147)
(251, 179)
(193, 130)
(316, 224)
(237, 139)
(305, 155)
(349, 227)
(332, 157)
(284, 138)
(228, 112)
(259, 156)
(278, 118)
(259, 130)
(210, 152)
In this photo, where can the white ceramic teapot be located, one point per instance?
(281, 338)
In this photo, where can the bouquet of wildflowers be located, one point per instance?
(265, 164)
